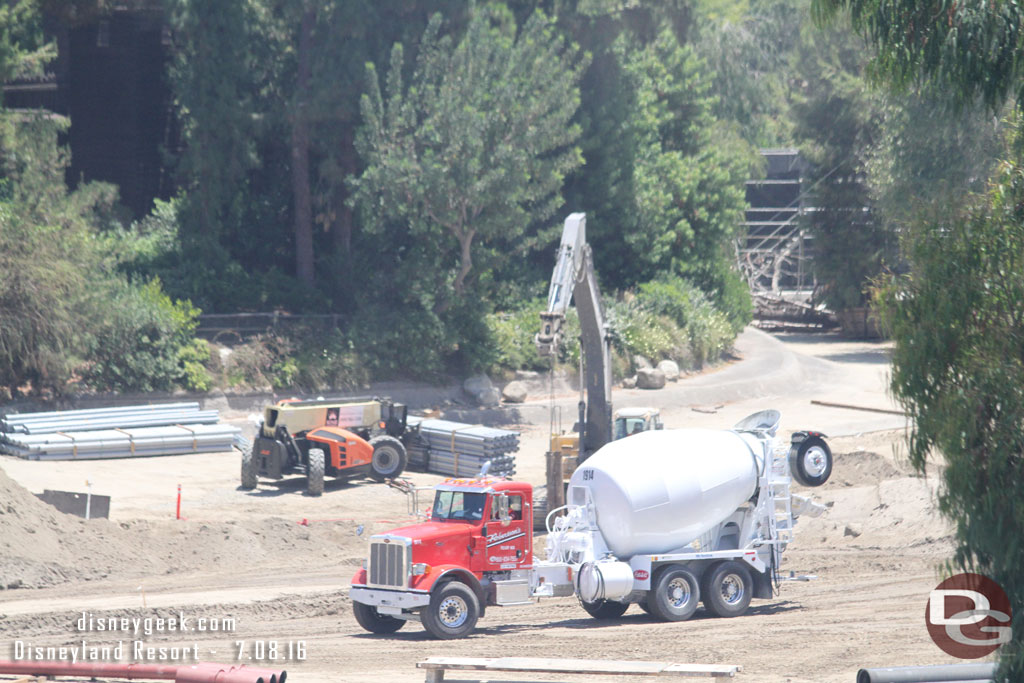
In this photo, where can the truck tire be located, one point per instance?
(810, 461)
(249, 469)
(676, 594)
(373, 621)
(728, 589)
(315, 472)
(453, 611)
(605, 609)
(389, 457)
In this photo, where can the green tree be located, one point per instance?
(663, 181)
(751, 54)
(469, 158)
(42, 261)
(838, 121)
(958, 370)
(929, 153)
(216, 79)
(970, 49)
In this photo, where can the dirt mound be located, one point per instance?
(863, 468)
(40, 546)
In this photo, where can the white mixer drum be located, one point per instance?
(657, 491)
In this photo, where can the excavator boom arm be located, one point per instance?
(574, 279)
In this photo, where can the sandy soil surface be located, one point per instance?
(277, 563)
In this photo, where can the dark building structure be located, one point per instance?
(110, 80)
(775, 249)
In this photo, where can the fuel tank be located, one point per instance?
(657, 491)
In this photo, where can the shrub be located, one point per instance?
(640, 331)
(260, 363)
(512, 336)
(142, 341)
(707, 330)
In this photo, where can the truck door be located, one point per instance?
(509, 541)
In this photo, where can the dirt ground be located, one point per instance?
(278, 563)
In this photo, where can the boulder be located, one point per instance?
(650, 378)
(514, 392)
(629, 382)
(482, 390)
(670, 368)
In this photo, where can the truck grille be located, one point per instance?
(389, 562)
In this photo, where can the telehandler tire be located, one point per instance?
(453, 611)
(315, 472)
(370, 619)
(389, 457)
(249, 469)
(605, 609)
(675, 594)
(728, 588)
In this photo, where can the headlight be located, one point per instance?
(420, 568)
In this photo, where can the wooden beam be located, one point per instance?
(572, 666)
(853, 407)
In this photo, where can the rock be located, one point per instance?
(527, 374)
(670, 368)
(629, 382)
(514, 392)
(640, 362)
(482, 390)
(650, 378)
(850, 531)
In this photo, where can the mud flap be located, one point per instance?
(762, 585)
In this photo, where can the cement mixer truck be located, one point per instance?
(664, 519)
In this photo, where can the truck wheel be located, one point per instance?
(453, 611)
(248, 469)
(728, 589)
(605, 609)
(374, 622)
(810, 461)
(315, 472)
(644, 606)
(675, 596)
(389, 457)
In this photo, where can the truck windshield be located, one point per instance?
(459, 505)
(627, 426)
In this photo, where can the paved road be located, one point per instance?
(785, 372)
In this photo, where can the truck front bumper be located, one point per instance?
(389, 602)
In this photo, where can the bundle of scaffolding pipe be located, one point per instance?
(123, 443)
(107, 418)
(458, 449)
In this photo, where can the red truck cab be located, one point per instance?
(475, 551)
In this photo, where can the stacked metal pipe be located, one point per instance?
(130, 431)
(457, 449)
(105, 418)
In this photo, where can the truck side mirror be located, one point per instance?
(501, 501)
